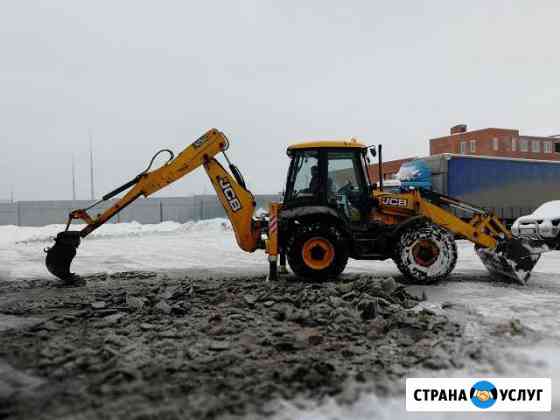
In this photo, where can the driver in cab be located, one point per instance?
(316, 182)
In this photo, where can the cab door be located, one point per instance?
(305, 184)
(346, 184)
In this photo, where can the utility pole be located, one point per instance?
(92, 190)
(12, 193)
(73, 179)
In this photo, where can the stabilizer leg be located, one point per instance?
(273, 269)
(282, 269)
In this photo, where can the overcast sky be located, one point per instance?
(143, 75)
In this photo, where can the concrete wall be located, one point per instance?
(8, 214)
(151, 210)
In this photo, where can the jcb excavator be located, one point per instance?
(330, 212)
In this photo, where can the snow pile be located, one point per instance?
(549, 210)
(127, 246)
(11, 234)
(373, 407)
(22, 234)
(211, 225)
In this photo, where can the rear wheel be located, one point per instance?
(425, 253)
(317, 250)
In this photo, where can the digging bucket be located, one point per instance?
(512, 259)
(60, 255)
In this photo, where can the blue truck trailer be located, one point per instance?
(507, 187)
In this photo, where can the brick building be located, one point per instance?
(499, 142)
(496, 142)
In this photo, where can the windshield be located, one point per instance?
(344, 171)
(305, 180)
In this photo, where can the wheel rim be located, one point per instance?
(318, 253)
(425, 252)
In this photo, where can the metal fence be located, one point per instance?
(149, 210)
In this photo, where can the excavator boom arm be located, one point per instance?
(237, 201)
(147, 183)
(239, 204)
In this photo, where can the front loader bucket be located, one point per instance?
(61, 254)
(512, 259)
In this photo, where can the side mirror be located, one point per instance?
(373, 151)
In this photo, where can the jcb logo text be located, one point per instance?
(230, 195)
(400, 202)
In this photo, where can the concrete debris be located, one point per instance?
(12, 322)
(163, 306)
(111, 320)
(98, 305)
(14, 383)
(134, 303)
(218, 347)
(512, 327)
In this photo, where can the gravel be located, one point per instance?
(141, 345)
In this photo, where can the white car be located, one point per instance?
(542, 224)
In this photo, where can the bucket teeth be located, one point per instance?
(512, 259)
(60, 255)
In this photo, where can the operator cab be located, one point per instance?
(332, 174)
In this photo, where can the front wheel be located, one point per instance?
(425, 253)
(317, 251)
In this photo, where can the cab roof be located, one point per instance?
(345, 144)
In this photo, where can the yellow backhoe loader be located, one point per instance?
(330, 212)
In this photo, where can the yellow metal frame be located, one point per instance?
(238, 203)
(210, 144)
(482, 229)
(351, 143)
(272, 240)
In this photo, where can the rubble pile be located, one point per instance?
(142, 345)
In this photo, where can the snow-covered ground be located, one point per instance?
(478, 301)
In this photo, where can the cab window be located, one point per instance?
(305, 179)
(345, 183)
(344, 172)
